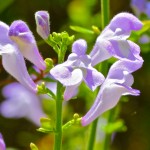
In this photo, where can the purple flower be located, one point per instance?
(21, 102)
(2, 143)
(20, 33)
(42, 23)
(141, 6)
(76, 69)
(117, 83)
(113, 40)
(12, 59)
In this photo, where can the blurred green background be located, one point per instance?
(85, 13)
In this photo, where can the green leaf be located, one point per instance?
(4, 4)
(81, 30)
(117, 126)
(49, 64)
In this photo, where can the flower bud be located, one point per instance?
(42, 23)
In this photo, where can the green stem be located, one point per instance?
(58, 128)
(105, 12)
(105, 20)
(110, 118)
(92, 135)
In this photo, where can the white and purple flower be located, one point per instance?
(113, 42)
(113, 39)
(76, 69)
(117, 83)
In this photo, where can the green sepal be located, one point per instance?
(47, 125)
(42, 89)
(60, 41)
(33, 146)
(49, 64)
(75, 121)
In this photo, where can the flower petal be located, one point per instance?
(70, 91)
(2, 143)
(126, 22)
(117, 69)
(23, 37)
(79, 47)
(93, 78)
(28, 104)
(65, 76)
(13, 62)
(99, 52)
(4, 39)
(42, 23)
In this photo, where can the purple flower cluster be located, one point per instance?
(112, 42)
(17, 42)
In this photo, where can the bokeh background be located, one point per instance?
(135, 112)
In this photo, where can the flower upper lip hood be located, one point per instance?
(20, 33)
(125, 21)
(16, 28)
